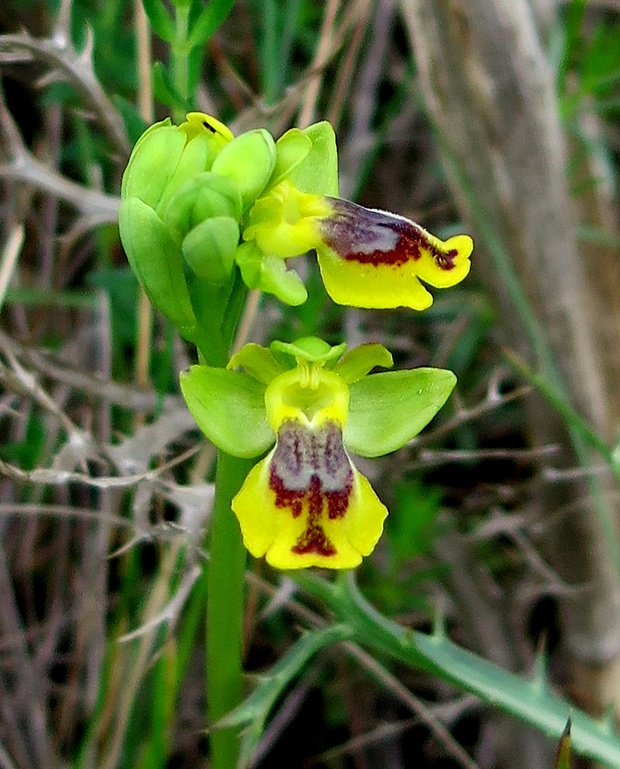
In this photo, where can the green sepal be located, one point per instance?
(152, 163)
(387, 410)
(310, 349)
(292, 148)
(318, 173)
(269, 274)
(248, 161)
(210, 248)
(157, 262)
(200, 198)
(258, 362)
(229, 408)
(356, 363)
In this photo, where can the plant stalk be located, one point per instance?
(225, 576)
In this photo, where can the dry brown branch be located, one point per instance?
(491, 95)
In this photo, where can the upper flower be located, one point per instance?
(305, 503)
(368, 258)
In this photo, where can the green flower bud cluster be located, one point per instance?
(186, 194)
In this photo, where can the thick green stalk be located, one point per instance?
(225, 610)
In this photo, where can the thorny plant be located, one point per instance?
(204, 217)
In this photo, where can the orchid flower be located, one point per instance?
(309, 406)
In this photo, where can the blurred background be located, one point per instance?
(500, 118)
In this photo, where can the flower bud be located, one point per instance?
(205, 196)
(248, 161)
(210, 248)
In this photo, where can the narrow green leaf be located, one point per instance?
(164, 90)
(229, 408)
(256, 708)
(562, 759)
(387, 410)
(209, 21)
(159, 19)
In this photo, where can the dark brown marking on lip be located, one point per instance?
(310, 472)
(359, 234)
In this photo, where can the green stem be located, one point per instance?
(180, 71)
(225, 610)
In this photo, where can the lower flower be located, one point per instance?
(306, 504)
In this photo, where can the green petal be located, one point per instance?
(210, 248)
(269, 274)
(292, 148)
(156, 260)
(258, 362)
(318, 173)
(309, 348)
(286, 284)
(355, 364)
(387, 410)
(229, 408)
(248, 161)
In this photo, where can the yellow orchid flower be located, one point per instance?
(306, 504)
(368, 258)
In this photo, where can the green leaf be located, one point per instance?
(135, 124)
(164, 89)
(318, 173)
(210, 248)
(258, 362)
(356, 363)
(256, 708)
(229, 408)
(387, 410)
(159, 19)
(156, 261)
(529, 700)
(209, 21)
(562, 759)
